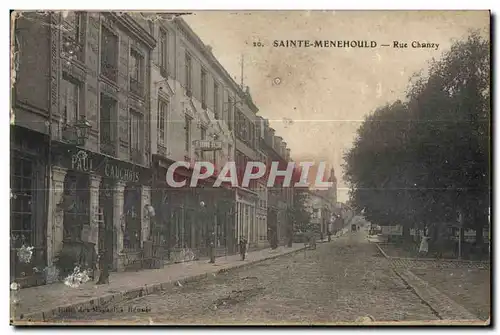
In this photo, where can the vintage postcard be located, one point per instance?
(250, 168)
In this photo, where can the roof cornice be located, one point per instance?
(135, 29)
(195, 39)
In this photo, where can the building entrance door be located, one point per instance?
(106, 243)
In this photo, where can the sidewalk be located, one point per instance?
(42, 302)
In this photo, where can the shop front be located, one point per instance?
(246, 214)
(189, 218)
(98, 207)
(28, 195)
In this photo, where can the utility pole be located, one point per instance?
(460, 232)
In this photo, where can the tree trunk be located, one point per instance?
(406, 233)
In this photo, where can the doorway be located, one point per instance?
(106, 242)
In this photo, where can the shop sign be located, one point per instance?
(84, 161)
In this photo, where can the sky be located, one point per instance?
(316, 98)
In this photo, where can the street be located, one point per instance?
(340, 281)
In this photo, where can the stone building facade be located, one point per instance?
(93, 69)
(193, 99)
(145, 92)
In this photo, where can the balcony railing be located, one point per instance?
(136, 156)
(108, 145)
(109, 71)
(136, 87)
(71, 48)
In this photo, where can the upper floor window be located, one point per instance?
(163, 49)
(109, 54)
(244, 128)
(203, 88)
(216, 100)
(162, 120)
(238, 123)
(230, 107)
(72, 34)
(187, 134)
(251, 134)
(137, 72)
(229, 151)
(203, 136)
(135, 136)
(187, 73)
(106, 134)
(70, 98)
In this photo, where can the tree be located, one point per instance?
(299, 214)
(422, 160)
(451, 108)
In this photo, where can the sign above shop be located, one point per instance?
(207, 145)
(90, 162)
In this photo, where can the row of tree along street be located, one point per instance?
(425, 162)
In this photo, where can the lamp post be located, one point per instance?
(211, 243)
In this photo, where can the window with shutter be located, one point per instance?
(107, 139)
(70, 95)
(162, 120)
(164, 51)
(109, 54)
(135, 136)
(188, 73)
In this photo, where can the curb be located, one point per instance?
(381, 250)
(428, 259)
(132, 293)
(440, 304)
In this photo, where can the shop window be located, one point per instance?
(22, 205)
(75, 205)
(132, 213)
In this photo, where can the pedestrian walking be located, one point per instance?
(329, 235)
(424, 246)
(243, 247)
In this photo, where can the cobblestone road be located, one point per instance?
(339, 281)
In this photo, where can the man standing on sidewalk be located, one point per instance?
(243, 247)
